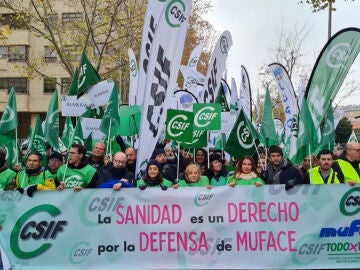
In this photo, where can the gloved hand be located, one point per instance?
(290, 184)
(163, 187)
(143, 187)
(21, 190)
(30, 190)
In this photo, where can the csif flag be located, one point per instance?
(331, 68)
(241, 141)
(9, 120)
(267, 130)
(162, 71)
(110, 123)
(52, 122)
(37, 141)
(88, 76)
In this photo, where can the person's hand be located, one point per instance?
(232, 185)
(209, 186)
(30, 190)
(176, 186)
(17, 168)
(61, 186)
(77, 188)
(117, 186)
(106, 160)
(351, 183)
(258, 184)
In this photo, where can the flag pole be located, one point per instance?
(108, 143)
(178, 161)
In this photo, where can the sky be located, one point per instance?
(255, 25)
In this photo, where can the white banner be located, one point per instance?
(164, 63)
(91, 125)
(193, 80)
(153, 11)
(287, 94)
(245, 93)
(234, 98)
(134, 76)
(307, 227)
(73, 106)
(216, 68)
(100, 93)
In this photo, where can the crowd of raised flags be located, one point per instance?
(206, 110)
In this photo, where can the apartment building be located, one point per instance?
(20, 47)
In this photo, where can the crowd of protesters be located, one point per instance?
(169, 168)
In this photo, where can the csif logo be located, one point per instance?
(203, 197)
(350, 202)
(27, 229)
(244, 136)
(133, 68)
(224, 45)
(338, 55)
(177, 125)
(175, 13)
(8, 115)
(204, 116)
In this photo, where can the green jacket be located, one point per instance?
(6, 176)
(203, 182)
(164, 182)
(23, 180)
(245, 182)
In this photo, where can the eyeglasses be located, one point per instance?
(357, 150)
(73, 153)
(118, 161)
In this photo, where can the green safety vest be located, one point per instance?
(316, 178)
(23, 180)
(75, 177)
(348, 171)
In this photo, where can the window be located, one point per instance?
(50, 54)
(4, 51)
(69, 18)
(52, 20)
(20, 84)
(15, 21)
(73, 52)
(18, 53)
(49, 85)
(65, 85)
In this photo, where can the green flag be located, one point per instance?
(307, 140)
(110, 123)
(328, 132)
(221, 99)
(37, 141)
(220, 142)
(267, 131)
(241, 142)
(88, 76)
(93, 112)
(200, 139)
(68, 132)
(353, 137)
(88, 143)
(179, 125)
(9, 119)
(330, 70)
(78, 136)
(52, 122)
(207, 116)
(8, 141)
(73, 90)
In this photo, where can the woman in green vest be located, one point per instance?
(245, 173)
